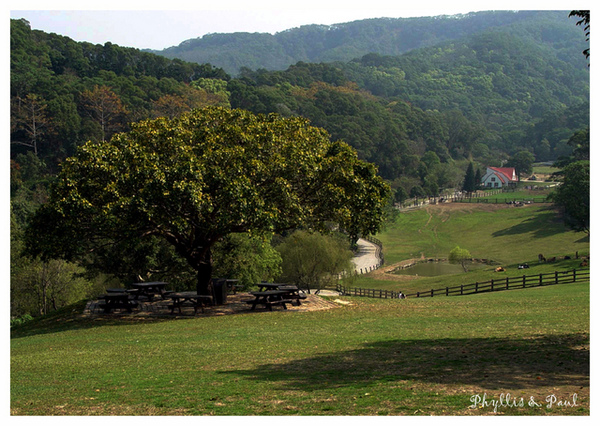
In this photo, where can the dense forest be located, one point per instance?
(483, 88)
(385, 36)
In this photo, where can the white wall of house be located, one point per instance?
(494, 179)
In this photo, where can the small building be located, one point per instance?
(499, 177)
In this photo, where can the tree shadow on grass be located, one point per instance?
(487, 362)
(541, 225)
(71, 318)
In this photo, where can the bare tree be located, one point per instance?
(29, 116)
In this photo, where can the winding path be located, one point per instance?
(366, 257)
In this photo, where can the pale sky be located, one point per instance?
(169, 23)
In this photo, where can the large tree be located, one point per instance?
(573, 196)
(522, 161)
(194, 179)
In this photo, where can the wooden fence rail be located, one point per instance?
(508, 283)
(367, 292)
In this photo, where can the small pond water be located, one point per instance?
(434, 269)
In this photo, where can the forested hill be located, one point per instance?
(385, 36)
(421, 117)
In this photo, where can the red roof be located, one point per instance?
(508, 172)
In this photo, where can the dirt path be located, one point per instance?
(366, 257)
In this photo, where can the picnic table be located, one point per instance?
(269, 298)
(149, 289)
(195, 299)
(269, 286)
(293, 292)
(116, 300)
(232, 285)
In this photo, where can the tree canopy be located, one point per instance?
(194, 179)
(573, 196)
(312, 260)
(460, 256)
(522, 161)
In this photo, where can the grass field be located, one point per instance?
(374, 357)
(508, 236)
(437, 356)
(544, 170)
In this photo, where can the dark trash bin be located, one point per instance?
(219, 291)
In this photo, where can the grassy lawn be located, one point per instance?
(544, 170)
(373, 357)
(509, 236)
(523, 194)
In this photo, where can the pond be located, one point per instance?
(434, 269)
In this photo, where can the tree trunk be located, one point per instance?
(204, 278)
(204, 269)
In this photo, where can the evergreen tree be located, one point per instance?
(470, 183)
(478, 176)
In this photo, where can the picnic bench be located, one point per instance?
(269, 298)
(269, 286)
(293, 291)
(115, 300)
(196, 300)
(150, 289)
(233, 286)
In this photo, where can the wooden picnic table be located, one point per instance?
(269, 286)
(269, 298)
(232, 285)
(293, 291)
(149, 289)
(117, 301)
(195, 299)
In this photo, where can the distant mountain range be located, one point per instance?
(384, 36)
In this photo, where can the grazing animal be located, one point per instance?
(541, 258)
(584, 263)
(567, 257)
(524, 266)
(552, 259)
(500, 269)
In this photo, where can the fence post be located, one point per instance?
(418, 294)
(446, 291)
(555, 277)
(524, 280)
(431, 292)
(541, 280)
(477, 287)
(574, 275)
(461, 289)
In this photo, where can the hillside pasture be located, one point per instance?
(502, 234)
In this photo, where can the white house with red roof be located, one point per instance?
(499, 177)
